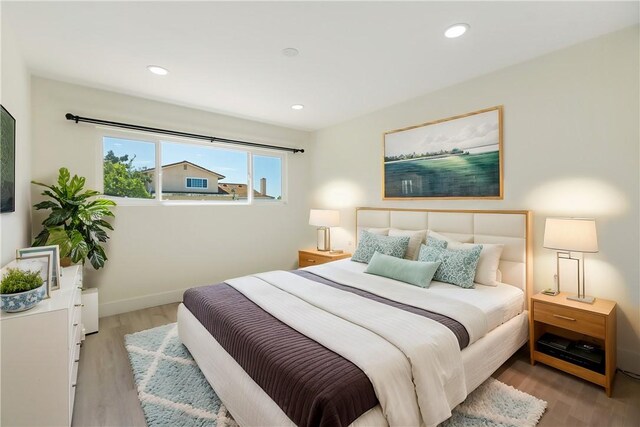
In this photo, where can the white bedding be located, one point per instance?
(499, 303)
(414, 363)
(251, 406)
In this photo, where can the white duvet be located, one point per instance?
(413, 363)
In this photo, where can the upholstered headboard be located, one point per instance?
(510, 228)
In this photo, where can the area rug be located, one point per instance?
(174, 392)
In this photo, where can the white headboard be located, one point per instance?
(510, 228)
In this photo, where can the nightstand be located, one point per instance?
(592, 323)
(309, 257)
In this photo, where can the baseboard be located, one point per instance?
(137, 303)
(628, 360)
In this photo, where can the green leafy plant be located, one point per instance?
(77, 220)
(122, 179)
(16, 280)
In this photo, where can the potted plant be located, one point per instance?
(76, 222)
(20, 290)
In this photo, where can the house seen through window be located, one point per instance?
(188, 172)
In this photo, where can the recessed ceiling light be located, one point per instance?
(297, 107)
(456, 30)
(290, 51)
(155, 69)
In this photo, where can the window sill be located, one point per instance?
(120, 201)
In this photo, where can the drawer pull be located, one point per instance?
(73, 385)
(79, 343)
(82, 288)
(311, 260)
(564, 317)
(75, 324)
(78, 305)
(76, 361)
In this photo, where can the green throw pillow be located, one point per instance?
(388, 245)
(458, 265)
(416, 273)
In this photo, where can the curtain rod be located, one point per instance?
(77, 119)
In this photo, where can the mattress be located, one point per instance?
(499, 303)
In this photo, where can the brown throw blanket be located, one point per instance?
(312, 385)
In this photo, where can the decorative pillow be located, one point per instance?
(437, 243)
(416, 238)
(458, 265)
(388, 245)
(487, 269)
(416, 273)
(380, 231)
(373, 230)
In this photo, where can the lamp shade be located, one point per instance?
(324, 218)
(571, 234)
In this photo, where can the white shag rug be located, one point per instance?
(496, 404)
(174, 392)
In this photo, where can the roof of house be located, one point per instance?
(240, 190)
(189, 163)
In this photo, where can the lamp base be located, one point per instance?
(324, 239)
(585, 299)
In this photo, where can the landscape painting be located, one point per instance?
(459, 157)
(7, 161)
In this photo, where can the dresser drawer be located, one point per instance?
(583, 322)
(75, 317)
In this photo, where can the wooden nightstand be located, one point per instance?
(309, 257)
(593, 323)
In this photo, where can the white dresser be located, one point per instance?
(40, 355)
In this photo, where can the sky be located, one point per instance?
(467, 133)
(231, 164)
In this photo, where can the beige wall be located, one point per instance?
(156, 252)
(15, 87)
(571, 148)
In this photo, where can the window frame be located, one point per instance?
(157, 140)
(205, 182)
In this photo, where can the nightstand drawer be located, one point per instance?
(306, 259)
(569, 318)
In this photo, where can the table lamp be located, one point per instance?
(324, 219)
(567, 235)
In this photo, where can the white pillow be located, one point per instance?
(487, 269)
(416, 238)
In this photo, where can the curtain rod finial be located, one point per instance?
(70, 116)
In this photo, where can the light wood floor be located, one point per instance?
(106, 394)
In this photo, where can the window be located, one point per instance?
(202, 172)
(178, 171)
(196, 182)
(267, 177)
(128, 168)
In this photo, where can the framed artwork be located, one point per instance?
(39, 262)
(7, 161)
(455, 158)
(54, 251)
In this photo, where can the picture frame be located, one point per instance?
(43, 263)
(54, 250)
(7, 161)
(460, 157)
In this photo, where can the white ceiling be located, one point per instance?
(355, 57)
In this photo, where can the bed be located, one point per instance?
(337, 324)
